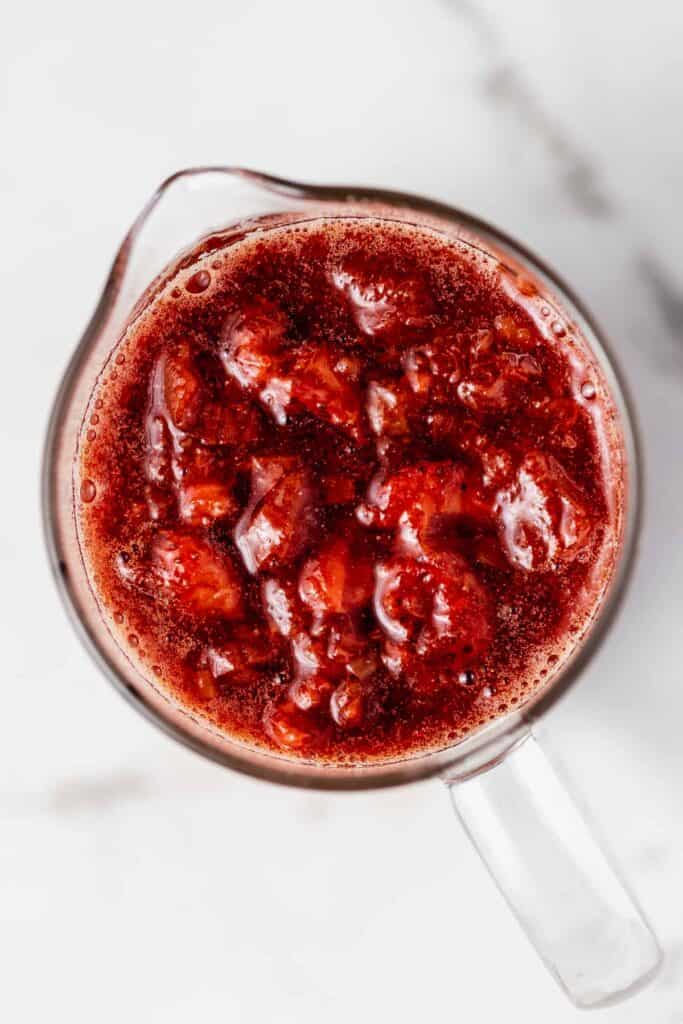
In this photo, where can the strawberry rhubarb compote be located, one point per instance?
(349, 488)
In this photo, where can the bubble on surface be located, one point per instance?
(588, 390)
(558, 329)
(91, 435)
(199, 282)
(88, 490)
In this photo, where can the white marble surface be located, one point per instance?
(136, 881)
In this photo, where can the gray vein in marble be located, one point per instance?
(672, 969)
(668, 297)
(653, 858)
(507, 88)
(78, 796)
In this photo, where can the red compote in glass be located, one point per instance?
(344, 488)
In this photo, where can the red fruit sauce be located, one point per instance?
(349, 489)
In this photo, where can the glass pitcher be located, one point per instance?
(559, 883)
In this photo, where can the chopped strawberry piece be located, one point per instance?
(431, 610)
(195, 463)
(287, 727)
(182, 412)
(396, 657)
(251, 340)
(281, 606)
(307, 655)
(383, 303)
(434, 368)
(239, 660)
(182, 387)
(388, 407)
(338, 489)
(461, 619)
(485, 393)
(519, 367)
(276, 396)
(318, 672)
(348, 646)
(486, 550)
(275, 524)
(174, 401)
(310, 691)
(445, 427)
(480, 344)
(418, 369)
(500, 383)
(465, 434)
(225, 421)
(413, 500)
(559, 417)
(325, 391)
(201, 504)
(183, 404)
(335, 580)
(543, 515)
(313, 673)
(401, 600)
(346, 704)
(416, 490)
(160, 503)
(196, 575)
(322, 583)
(513, 332)
(205, 684)
(497, 465)
(158, 470)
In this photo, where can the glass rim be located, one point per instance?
(489, 740)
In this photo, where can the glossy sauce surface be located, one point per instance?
(349, 489)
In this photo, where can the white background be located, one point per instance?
(136, 881)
